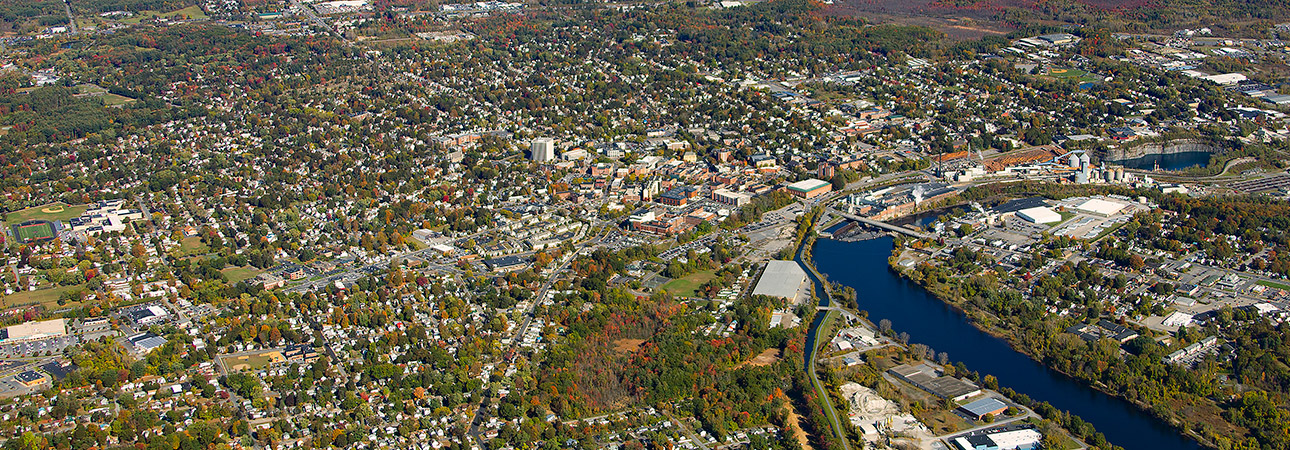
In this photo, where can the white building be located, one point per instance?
(543, 149)
(1039, 214)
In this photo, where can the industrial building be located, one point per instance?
(1099, 207)
(926, 378)
(1039, 214)
(147, 315)
(34, 330)
(1277, 99)
(145, 343)
(1017, 439)
(810, 188)
(783, 279)
(507, 263)
(988, 406)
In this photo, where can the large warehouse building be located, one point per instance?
(34, 330)
(1100, 207)
(1039, 214)
(781, 279)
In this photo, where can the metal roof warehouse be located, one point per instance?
(781, 279)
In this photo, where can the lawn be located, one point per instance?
(687, 285)
(1065, 216)
(51, 212)
(90, 89)
(1273, 285)
(46, 297)
(194, 12)
(115, 100)
(1108, 231)
(236, 274)
(191, 246)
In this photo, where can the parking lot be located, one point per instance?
(41, 347)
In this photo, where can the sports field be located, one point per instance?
(51, 212)
(253, 362)
(33, 231)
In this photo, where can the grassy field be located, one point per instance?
(1065, 216)
(252, 362)
(1284, 287)
(191, 246)
(236, 274)
(194, 12)
(687, 285)
(90, 89)
(1076, 74)
(115, 100)
(51, 212)
(46, 297)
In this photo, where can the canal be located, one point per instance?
(885, 295)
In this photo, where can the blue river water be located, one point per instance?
(885, 295)
(1172, 161)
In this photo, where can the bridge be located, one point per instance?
(883, 225)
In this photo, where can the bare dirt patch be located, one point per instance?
(795, 423)
(627, 345)
(765, 358)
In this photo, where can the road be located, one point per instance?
(71, 20)
(313, 16)
(474, 431)
(688, 432)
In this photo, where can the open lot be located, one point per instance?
(191, 246)
(46, 297)
(236, 274)
(686, 286)
(191, 12)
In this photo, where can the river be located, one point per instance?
(885, 295)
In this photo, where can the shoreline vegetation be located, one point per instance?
(1070, 423)
(1011, 339)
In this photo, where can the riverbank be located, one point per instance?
(1012, 337)
(930, 320)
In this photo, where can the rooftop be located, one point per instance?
(781, 279)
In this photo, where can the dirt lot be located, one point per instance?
(795, 421)
(765, 358)
(626, 346)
